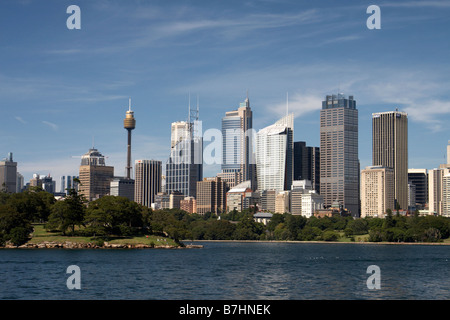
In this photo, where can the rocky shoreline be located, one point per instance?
(89, 245)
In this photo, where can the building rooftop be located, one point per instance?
(263, 215)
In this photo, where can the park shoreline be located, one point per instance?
(325, 242)
(192, 244)
(90, 245)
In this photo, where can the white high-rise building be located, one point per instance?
(237, 146)
(184, 166)
(274, 155)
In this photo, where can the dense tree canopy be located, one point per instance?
(112, 216)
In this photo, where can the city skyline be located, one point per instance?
(61, 88)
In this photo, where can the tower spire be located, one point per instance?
(287, 103)
(189, 109)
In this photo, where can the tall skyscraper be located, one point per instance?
(339, 163)
(390, 149)
(274, 155)
(307, 164)
(377, 191)
(8, 174)
(237, 153)
(185, 164)
(148, 174)
(94, 175)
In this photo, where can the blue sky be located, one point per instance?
(61, 88)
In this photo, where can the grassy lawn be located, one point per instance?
(41, 235)
(358, 238)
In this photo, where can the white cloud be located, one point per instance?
(417, 4)
(51, 125)
(299, 103)
(20, 119)
(433, 113)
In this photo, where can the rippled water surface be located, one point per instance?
(226, 270)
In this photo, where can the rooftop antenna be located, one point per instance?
(189, 111)
(247, 102)
(129, 104)
(287, 103)
(93, 142)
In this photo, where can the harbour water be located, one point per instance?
(229, 270)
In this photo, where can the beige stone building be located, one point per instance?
(282, 202)
(95, 176)
(211, 195)
(189, 204)
(377, 191)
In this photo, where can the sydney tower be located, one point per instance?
(129, 123)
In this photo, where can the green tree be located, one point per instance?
(321, 223)
(248, 229)
(393, 235)
(281, 232)
(388, 220)
(275, 221)
(309, 233)
(339, 222)
(14, 226)
(375, 235)
(219, 230)
(432, 235)
(67, 213)
(437, 222)
(358, 226)
(35, 203)
(197, 230)
(330, 235)
(112, 215)
(374, 222)
(294, 224)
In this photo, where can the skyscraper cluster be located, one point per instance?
(267, 169)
